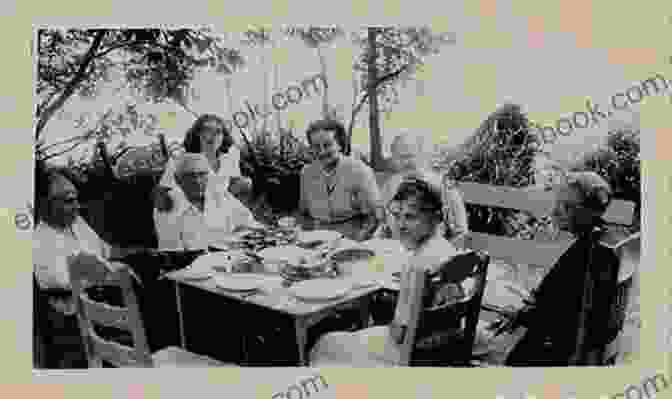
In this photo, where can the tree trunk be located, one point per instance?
(325, 96)
(374, 120)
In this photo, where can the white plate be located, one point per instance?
(318, 235)
(239, 282)
(384, 246)
(196, 275)
(321, 289)
(210, 261)
(285, 253)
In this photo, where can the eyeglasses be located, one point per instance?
(70, 200)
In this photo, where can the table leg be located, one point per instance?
(364, 312)
(301, 340)
(178, 298)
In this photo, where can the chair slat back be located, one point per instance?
(516, 251)
(106, 315)
(115, 353)
(84, 273)
(538, 202)
(546, 253)
(468, 265)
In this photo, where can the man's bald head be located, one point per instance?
(191, 174)
(191, 163)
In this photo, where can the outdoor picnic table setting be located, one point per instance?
(308, 275)
(305, 275)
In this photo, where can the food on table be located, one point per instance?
(351, 254)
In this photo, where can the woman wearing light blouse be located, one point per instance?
(335, 188)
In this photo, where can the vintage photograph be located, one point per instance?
(205, 198)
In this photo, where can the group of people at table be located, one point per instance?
(195, 206)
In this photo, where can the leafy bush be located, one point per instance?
(619, 163)
(274, 163)
(501, 152)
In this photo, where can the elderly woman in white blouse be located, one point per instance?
(416, 216)
(61, 233)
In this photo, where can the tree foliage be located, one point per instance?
(385, 63)
(618, 162)
(157, 63)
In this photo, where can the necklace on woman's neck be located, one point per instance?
(330, 169)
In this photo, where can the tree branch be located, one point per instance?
(72, 85)
(359, 106)
(85, 136)
(45, 157)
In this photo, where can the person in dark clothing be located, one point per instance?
(552, 317)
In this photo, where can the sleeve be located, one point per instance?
(303, 195)
(243, 216)
(168, 230)
(456, 217)
(407, 294)
(46, 266)
(383, 232)
(234, 155)
(93, 241)
(369, 188)
(402, 312)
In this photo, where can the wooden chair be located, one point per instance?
(128, 319)
(545, 253)
(442, 334)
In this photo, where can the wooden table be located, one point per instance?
(279, 299)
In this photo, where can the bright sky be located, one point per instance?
(543, 70)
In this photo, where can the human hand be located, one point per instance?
(397, 332)
(514, 320)
(162, 199)
(240, 185)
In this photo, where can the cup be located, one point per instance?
(287, 222)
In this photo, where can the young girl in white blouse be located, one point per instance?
(416, 215)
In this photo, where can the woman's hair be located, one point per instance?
(595, 192)
(427, 193)
(331, 126)
(192, 142)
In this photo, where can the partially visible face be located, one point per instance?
(567, 205)
(63, 202)
(193, 182)
(211, 136)
(410, 223)
(324, 146)
(404, 157)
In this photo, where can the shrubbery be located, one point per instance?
(618, 161)
(274, 163)
(501, 152)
